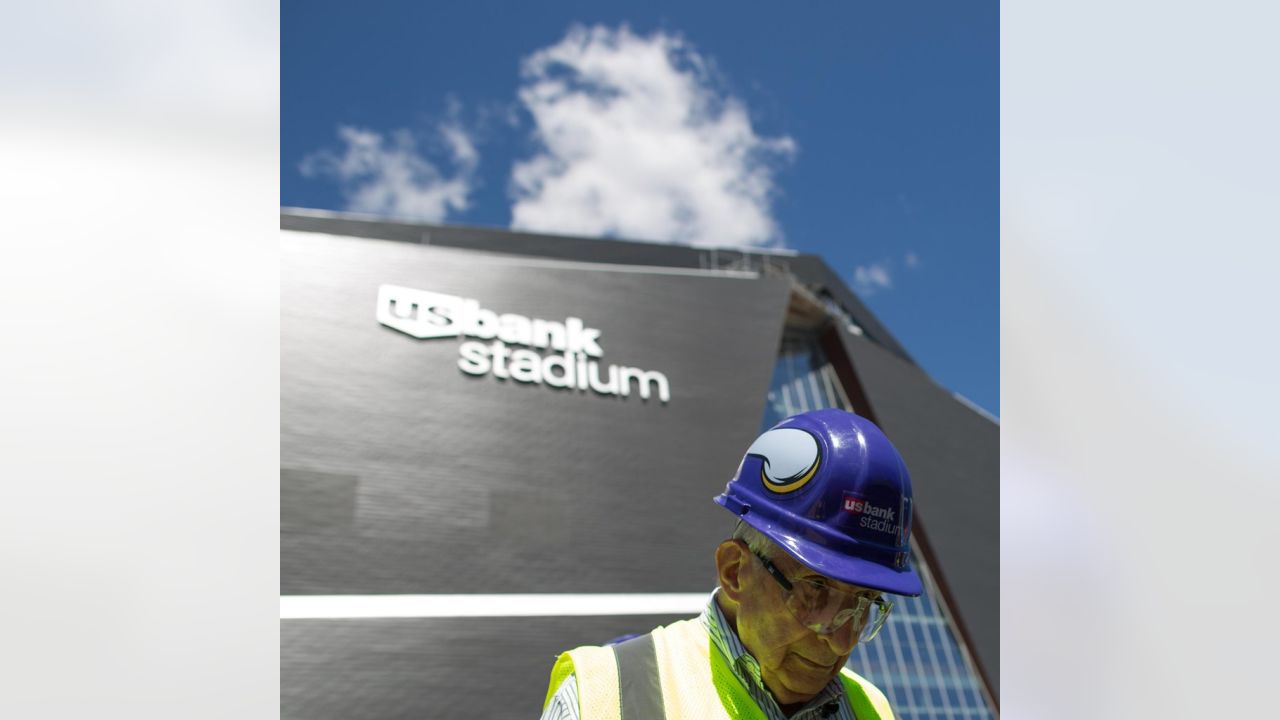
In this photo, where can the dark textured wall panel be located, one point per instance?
(401, 474)
(953, 454)
(483, 668)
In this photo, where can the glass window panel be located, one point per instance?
(916, 660)
(918, 698)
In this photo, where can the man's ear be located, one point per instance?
(732, 561)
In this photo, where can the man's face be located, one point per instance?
(795, 662)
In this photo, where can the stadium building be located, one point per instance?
(496, 446)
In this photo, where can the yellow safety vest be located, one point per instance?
(675, 673)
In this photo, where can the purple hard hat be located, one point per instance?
(830, 489)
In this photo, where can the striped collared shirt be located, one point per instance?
(829, 704)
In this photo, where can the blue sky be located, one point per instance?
(867, 133)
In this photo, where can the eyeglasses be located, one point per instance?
(825, 609)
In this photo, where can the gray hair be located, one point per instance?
(755, 540)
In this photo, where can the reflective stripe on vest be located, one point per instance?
(676, 673)
(639, 691)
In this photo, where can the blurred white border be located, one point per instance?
(1139, 247)
(138, 526)
(140, 380)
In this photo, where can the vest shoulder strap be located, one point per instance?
(596, 671)
(697, 681)
(866, 700)
(639, 687)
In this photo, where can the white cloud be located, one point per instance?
(913, 260)
(868, 279)
(637, 141)
(390, 177)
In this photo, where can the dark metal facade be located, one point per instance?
(400, 474)
(954, 457)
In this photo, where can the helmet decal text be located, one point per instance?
(874, 517)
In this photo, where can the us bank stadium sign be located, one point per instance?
(572, 359)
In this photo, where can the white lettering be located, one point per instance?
(657, 378)
(526, 366)
(582, 372)
(500, 354)
(870, 523)
(611, 388)
(404, 309)
(418, 313)
(483, 323)
(475, 358)
(548, 334)
(565, 372)
(550, 362)
(581, 338)
(643, 379)
(515, 329)
(424, 314)
(440, 315)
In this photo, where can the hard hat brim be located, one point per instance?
(838, 565)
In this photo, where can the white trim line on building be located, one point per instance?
(502, 258)
(391, 220)
(975, 407)
(529, 261)
(314, 607)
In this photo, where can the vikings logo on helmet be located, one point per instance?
(790, 456)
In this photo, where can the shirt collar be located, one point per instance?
(744, 665)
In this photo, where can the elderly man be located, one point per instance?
(824, 507)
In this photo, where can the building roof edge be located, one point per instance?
(805, 268)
